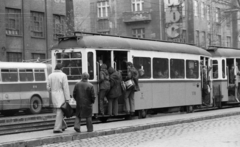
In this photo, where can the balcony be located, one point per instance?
(140, 16)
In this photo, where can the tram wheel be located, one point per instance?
(142, 114)
(103, 119)
(9, 112)
(189, 109)
(35, 105)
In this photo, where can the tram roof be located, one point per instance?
(225, 52)
(22, 65)
(109, 42)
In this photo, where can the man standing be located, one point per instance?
(59, 89)
(84, 95)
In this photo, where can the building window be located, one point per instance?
(203, 40)
(137, 5)
(209, 39)
(202, 10)
(184, 36)
(103, 25)
(183, 9)
(38, 56)
(13, 21)
(37, 26)
(14, 57)
(196, 8)
(58, 26)
(228, 21)
(208, 12)
(138, 33)
(103, 9)
(218, 15)
(219, 40)
(197, 38)
(229, 41)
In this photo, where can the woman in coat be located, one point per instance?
(58, 87)
(84, 95)
(115, 91)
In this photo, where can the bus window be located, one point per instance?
(9, 75)
(177, 69)
(223, 69)
(215, 69)
(26, 74)
(143, 66)
(192, 69)
(160, 68)
(39, 75)
(72, 64)
(90, 65)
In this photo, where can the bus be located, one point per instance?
(23, 86)
(172, 72)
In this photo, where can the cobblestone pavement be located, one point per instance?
(221, 132)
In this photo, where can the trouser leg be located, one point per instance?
(102, 94)
(77, 123)
(115, 106)
(126, 101)
(89, 124)
(110, 101)
(58, 120)
(131, 100)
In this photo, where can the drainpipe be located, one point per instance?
(23, 30)
(46, 28)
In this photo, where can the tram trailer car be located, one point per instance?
(225, 74)
(170, 72)
(23, 87)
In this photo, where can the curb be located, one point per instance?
(84, 135)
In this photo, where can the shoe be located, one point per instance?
(58, 131)
(77, 130)
(132, 113)
(90, 131)
(63, 129)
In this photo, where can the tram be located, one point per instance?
(172, 71)
(23, 87)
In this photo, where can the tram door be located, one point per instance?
(117, 60)
(232, 93)
(206, 93)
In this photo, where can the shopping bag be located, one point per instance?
(67, 110)
(129, 84)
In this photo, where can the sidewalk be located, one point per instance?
(47, 137)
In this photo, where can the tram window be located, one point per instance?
(215, 69)
(238, 63)
(72, 64)
(143, 66)
(192, 67)
(160, 68)
(39, 75)
(9, 75)
(90, 65)
(177, 68)
(223, 69)
(26, 74)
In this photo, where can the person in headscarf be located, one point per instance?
(104, 87)
(84, 95)
(132, 74)
(115, 91)
(57, 85)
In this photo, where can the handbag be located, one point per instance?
(67, 109)
(129, 84)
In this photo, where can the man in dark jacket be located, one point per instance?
(84, 95)
(104, 86)
(115, 91)
(132, 74)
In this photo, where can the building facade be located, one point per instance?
(29, 28)
(200, 22)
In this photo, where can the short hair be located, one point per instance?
(85, 76)
(58, 66)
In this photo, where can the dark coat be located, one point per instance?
(84, 95)
(115, 82)
(104, 78)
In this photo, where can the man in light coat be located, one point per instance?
(59, 89)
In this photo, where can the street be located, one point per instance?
(221, 132)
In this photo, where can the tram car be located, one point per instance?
(172, 78)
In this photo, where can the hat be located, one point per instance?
(130, 64)
(104, 66)
(85, 76)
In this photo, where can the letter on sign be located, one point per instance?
(172, 2)
(172, 15)
(173, 31)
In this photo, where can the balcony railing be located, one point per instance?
(139, 16)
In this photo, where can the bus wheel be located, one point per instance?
(103, 119)
(35, 105)
(9, 112)
(142, 113)
(189, 109)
